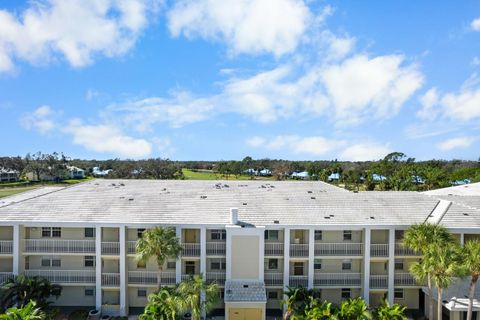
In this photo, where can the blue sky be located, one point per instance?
(223, 79)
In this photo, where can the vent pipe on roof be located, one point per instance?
(233, 215)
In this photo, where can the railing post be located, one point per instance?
(123, 272)
(391, 265)
(311, 256)
(366, 265)
(178, 263)
(98, 268)
(286, 262)
(16, 249)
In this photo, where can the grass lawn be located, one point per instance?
(5, 192)
(209, 175)
(11, 188)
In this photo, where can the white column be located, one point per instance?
(178, 266)
(311, 256)
(203, 252)
(286, 262)
(462, 239)
(366, 265)
(98, 267)
(123, 272)
(391, 265)
(261, 255)
(16, 249)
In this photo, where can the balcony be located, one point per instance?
(298, 250)
(217, 248)
(218, 277)
(379, 250)
(151, 277)
(59, 246)
(113, 310)
(191, 249)
(338, 249)
(110, 279)
(337, 279)
(6, 247)
(274, 249)
(131, 247)
(186, 276)
(298, 281)
(405, 280)
(273, 279)
(378, 281)
(64, 276)
(110, 248)
(401, 250)
(4, 276)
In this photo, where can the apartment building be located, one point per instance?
(254, 238)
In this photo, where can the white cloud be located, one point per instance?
(429, 101)
(107, 138)
(476, 61)
(313, 145)
(475, 24)
(365, 152)
(247, 26)
(455, 143)
(464, 105)
(41, 120)
(76, 30)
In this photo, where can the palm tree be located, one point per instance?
(354, 309)
(159, 243)
(21, 290)
(30, 311)
(385, 311)
(471, 262)
(422, 238)
(196, 295)
(317, 310)
(162, 305)
(445, 266)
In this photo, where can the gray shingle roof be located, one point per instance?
(245, 291)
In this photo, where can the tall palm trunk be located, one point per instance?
(471, 293)
(439, 303)
(430, 298)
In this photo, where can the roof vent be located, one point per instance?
(276, 221)
(233, 215)
(244, 203)
(203, 197)
(245, 285)
(372, 217)
(326, 217)
(130, 199)
(310, 191)
(466, 214)
(313, 198)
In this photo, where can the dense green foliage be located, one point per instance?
(30, 311)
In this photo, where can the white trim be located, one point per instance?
(286, 263)
(123, 272)
(16, 250)
(391, 266)
(178, 262)
(203, 252)
(98, 268)
(366, 265)
(311, 256)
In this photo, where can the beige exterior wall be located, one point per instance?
(67, 233)
(410, 298)
(134, 300)
(132, 234)
(110, 266)
(67, 262)
(379, 267)
(245, 259)
(337, 236)
(6, 233)
(151, 265)
(335, 265)
(111, 297)
(6, 264)
(335, 295)
(237, 305)
(281, 237)
(379, 236)
(298, 236)
(110, 234)
(191, 235)
(74, 296)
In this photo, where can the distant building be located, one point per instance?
(9, 175)
(378, 177)
(334, 177)
(265, 172)
(251, 172)
(461, 182)
(75, 173)
(100, 173)
(418, 179)
(300, 175)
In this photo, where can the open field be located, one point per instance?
(11, 188)
(210, 175)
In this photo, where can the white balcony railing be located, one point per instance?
(338, 249)
(186, 276)
(337, 279)
(58, 246)
(191, 249)
(6, 247)
(274, 249)
(378, 281)
(64, 276)
(273, 279)
(110, 279)
(4, 276)
(110, 248)
(298, 281)
(298, 250)
(218, 277)
(405, 279)
(131, 245)
(401, 250)
(379, 250)
(217, 248)
(142, 277)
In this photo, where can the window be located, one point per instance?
(347, 265)
(272, 264)
(218, 265)
(190, 267)
(398, 293)
(141, 264)
(218, 234)
(273, 295)
(346, 293)
(399, 235)
(45, 262)
(51, 262)
(49, 232)
(347, 235)
(89, 232)
(171, 265)
(89, 292)
(56, 262)
(298, 268)
(271, 234)
(141, 292)
(139, 233)
(318, 235)
(398, 264)
(89, 261)
(317, 264)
